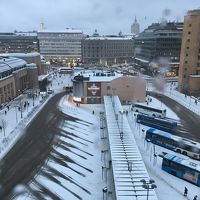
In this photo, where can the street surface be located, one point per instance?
(30, 152)
(189, 125)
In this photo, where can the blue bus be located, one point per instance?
(175, 143)
(158, 123)
(183, 168)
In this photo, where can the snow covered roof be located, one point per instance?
(9, 63)
(109, 38)
(68, 30)
(142, 60)
(127, 163)
(184, 161)
(24, 55)
(98, 75)
(42, 77)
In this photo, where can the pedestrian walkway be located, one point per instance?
(127, 163)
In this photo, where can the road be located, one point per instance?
(189, 126)
(28, 155)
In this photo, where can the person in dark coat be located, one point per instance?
(195, 197)
(185, 192)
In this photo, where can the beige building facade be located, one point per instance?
(90, 90)
(189, 71)
(16, 76)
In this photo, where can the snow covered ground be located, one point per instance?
(169, 187)
(73, 170)
(15, 120)
(84, 154)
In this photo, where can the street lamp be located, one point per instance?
(148, 185)
(121, 132)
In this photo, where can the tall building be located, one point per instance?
(159, 46)
(189, 72)
(135, 27)
(19, 42)
(62, 47)
(107, 50)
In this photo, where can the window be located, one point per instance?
(108, 88)
(186, 62)
(189, 33)
(190, 25)
(184, 76)
(188, 40)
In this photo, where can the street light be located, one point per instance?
(121, 132)
(148, 185)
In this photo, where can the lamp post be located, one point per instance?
(148, 185)
(33, 99)
(121, 131)
(21, 109)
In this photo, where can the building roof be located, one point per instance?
(9, 63)
(98, 75)
(68, 30)
(20, 55)
(110, 38)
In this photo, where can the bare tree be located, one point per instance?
(3, 124)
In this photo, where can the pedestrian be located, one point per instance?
(8, 108)
(93, 112)
(1, 128)
(5, 112)
(195, 101)
(185, 192)
(195, 197)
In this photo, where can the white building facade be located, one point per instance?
(63, 47)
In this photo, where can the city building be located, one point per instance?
(107, 50)
(189, 72)
(16, 76)
(19, 42)
(135, 27)
(61, 47)
(157, 48)
(90, 86)
(33, 57)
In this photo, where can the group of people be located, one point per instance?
(186, 192)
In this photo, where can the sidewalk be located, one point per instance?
(18, 115)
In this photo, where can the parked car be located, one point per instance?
(50, 91)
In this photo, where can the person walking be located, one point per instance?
(185, 192)
(195, 197)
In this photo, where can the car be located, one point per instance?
(50, 91)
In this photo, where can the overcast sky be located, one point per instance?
(108, 16)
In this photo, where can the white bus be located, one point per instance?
(155, 112)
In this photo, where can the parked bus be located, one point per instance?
(183, 168)
(155, 112)
(158, 123)
(175, 143)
